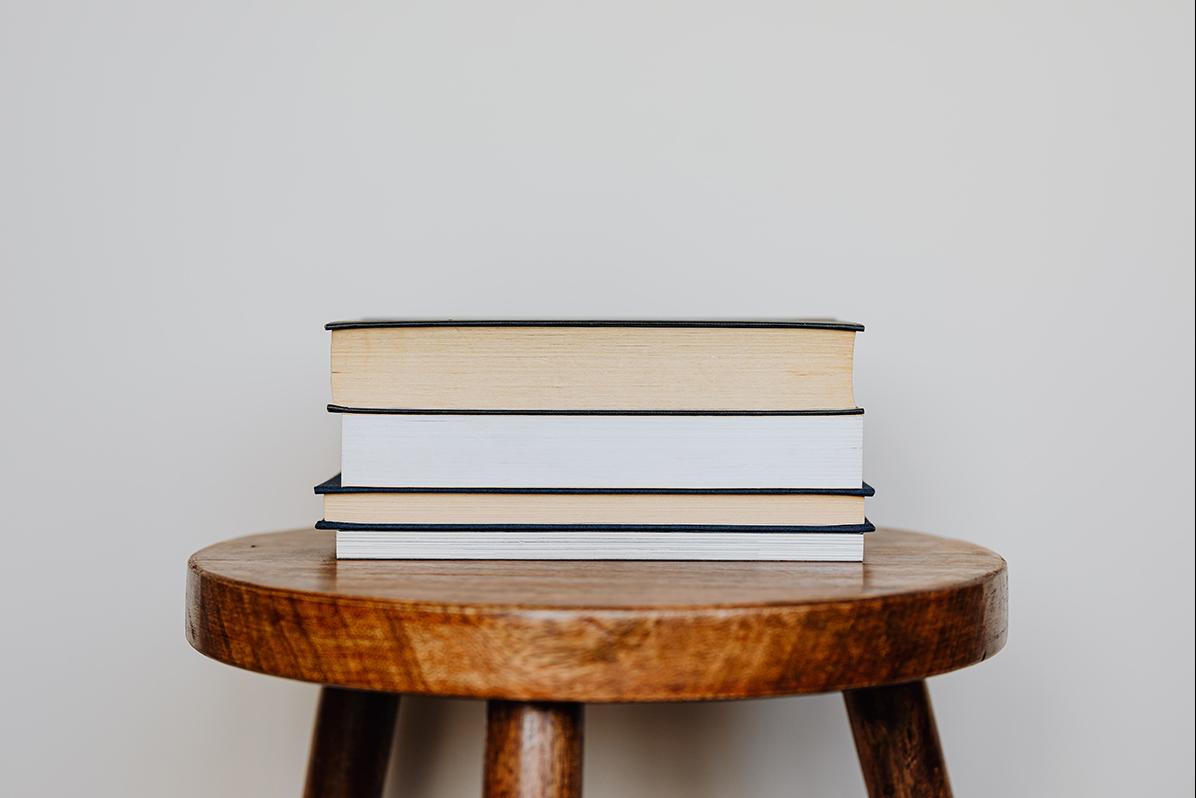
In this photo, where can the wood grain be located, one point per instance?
(533, 750)
(897, 742)
(597, 631)
(350, 745)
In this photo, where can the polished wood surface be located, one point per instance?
(350, 745)
(897, 741)
(597, 631)
(533, 750)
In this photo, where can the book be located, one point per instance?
(618, 451)
(388, 507)
(519, 365)
(597, 545)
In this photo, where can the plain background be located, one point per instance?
(1002, 192)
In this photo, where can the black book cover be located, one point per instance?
(334, 485)
(851, 411)
(841, 529)
(811, 324)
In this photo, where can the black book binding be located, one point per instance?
(744, 324)
(334, 485)
(841, 529)
(851, 411)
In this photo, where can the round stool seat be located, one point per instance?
(281, 604)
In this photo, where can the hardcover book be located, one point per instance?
(603, 451)
(597, 545)
(594, 365)
(515, 508)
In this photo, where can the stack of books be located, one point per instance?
(636, 440)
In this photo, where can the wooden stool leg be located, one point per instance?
(533, 750)
(350, 746)
(897, 742)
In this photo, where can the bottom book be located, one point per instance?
(416, 544)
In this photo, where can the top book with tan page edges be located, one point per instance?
(605, 366)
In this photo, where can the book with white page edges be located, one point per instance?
(603, 451)
(418, 544)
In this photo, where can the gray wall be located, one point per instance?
(1001, 192)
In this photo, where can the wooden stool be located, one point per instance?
(540, 639)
